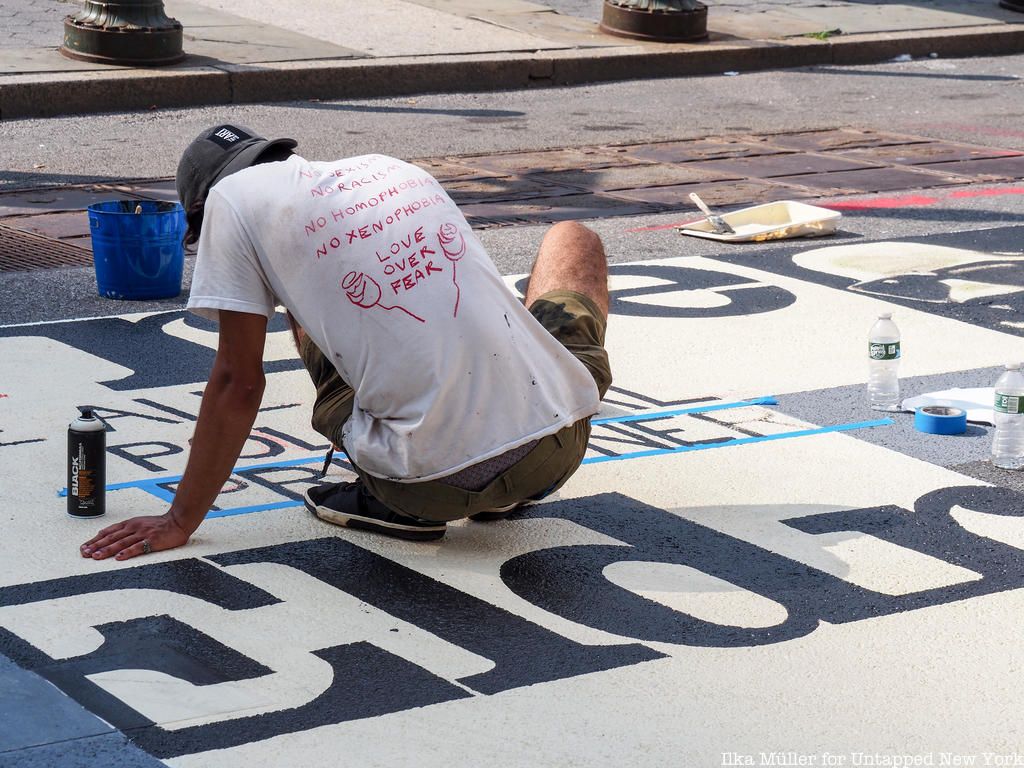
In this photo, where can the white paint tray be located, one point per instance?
(771, 221)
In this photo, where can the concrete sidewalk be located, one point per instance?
(248, 51)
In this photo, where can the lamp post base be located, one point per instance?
(659, 26)
(125, 32)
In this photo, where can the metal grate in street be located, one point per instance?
(45, 228)
(22, 251)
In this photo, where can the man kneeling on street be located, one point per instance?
(450, 397)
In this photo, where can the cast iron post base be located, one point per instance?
(125, 32)
(662, 21)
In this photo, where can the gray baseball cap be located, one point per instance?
(218, 152)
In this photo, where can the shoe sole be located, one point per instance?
(357, 522)
(498, 513)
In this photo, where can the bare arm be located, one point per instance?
(230, 403)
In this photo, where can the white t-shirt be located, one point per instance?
(380, 268)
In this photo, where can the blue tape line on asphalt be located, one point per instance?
(740, 441)
(635, 455)
(711, 406)
(153, 485)
(231, 512)
(156, 481)
(680, 411)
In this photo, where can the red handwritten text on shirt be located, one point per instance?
(376, 227)
(405, 253)
(411, 279)
(407, 259)
(351, 184)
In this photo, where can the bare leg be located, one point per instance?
(571, 258)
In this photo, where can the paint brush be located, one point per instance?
(721, 226)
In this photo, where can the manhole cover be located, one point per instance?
(879, 180)
(24, 251)
(687, 151)
(444, 169)
(636, 177)
(991, 169)
(845, 138)
(557, 209)
(725, 193)
(923, 154)
(503, 188)
(548, 160)
(769, 166)
(52, 199)
(59, 226)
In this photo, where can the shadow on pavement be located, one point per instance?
(503, 113)
(929, 75)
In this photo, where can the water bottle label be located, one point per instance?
(1009, 403)
(884, 351)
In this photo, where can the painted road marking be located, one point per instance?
(153, 485)
(663, 603)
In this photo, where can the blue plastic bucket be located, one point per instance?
(137, 248)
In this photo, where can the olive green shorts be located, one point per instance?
(570, 317)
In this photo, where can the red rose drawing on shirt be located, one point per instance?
(454, 246)
(363, 291)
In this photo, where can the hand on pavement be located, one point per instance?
(128, 539)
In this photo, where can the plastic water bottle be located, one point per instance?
(1008, 436)
(884, 351)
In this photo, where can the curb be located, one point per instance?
(47, 95)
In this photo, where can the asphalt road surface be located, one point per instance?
(709, 321)
(980, 99)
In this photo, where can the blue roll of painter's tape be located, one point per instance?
(940, 420)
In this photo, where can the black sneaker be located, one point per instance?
(352, 506)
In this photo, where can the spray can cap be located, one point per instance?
(86, 411)
(885, 316)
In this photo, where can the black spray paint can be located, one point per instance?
(87, 474)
